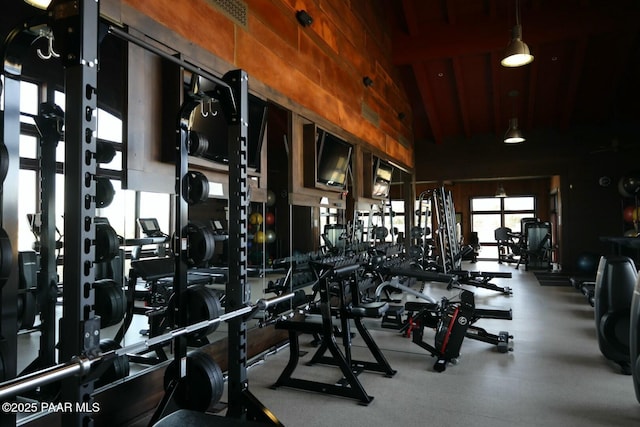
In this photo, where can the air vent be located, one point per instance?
(236, 10)
(369, 114)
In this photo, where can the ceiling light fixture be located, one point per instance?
(517, 53)
(40, 4)
(500, 191)
(513, 134)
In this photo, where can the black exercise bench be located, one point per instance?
(337, 282)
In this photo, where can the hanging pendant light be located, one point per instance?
(517, 53)
(513, 134)
(40, 4)
(500, 191)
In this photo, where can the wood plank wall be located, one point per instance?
(319, 67)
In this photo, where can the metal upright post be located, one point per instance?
(49, 124)
(242, 404)
(12, 52)
(237, 293)
(75, 26)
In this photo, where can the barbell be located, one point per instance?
(81, 365)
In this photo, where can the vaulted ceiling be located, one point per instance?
(585, 74)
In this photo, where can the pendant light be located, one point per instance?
(517, 53)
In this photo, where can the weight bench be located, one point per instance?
(349, 386)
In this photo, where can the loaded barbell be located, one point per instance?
(81, 365)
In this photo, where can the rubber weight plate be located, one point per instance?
(26, 309)
(110, 302)
(6, 257)
(198, 144)
(201, 304)
(195, 187)
(119, 366)
(107, 243)
(203, 385)
(417, 232)
(416, 251)
(381, 232)
(105, 152)
(104, 192)
(201, 245)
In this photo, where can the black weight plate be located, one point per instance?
(203, 385)
(6, 257)
(107, 243)
(416, 251)
(201, 303)
(26, 308)
(381, 232)
(104, 192)
(4, 162)
(211, 244)
(198, 144)
(201, 245)
(417, 232)
(119, 367)
(195, 187)
(110, 302)
(105, 152)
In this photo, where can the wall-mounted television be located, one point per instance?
(332, 159)
(208, 121)
(382, 173)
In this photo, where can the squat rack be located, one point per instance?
(75, 24)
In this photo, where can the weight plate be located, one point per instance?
(107, 243)
(4, 162)
(6, 257)
(198, 144)
(417, 232)
(195, 187)
(110, 302)
(416, 251)
(381, 232)
(119, 366)
(26, 309)
(104, 192)
(105, 152)
(201, 304)
(201, 245)
(203, 385)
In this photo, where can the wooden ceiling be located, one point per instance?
(585, 74)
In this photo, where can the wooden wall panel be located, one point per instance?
(319, 67)
(198, 22)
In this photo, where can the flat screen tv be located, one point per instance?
(382, 172)
(333, 155)
(214, 127)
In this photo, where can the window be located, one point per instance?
(121, 212)
(489, 213)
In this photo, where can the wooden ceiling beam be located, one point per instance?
(410, 15)
(499, 126)
(429, 102)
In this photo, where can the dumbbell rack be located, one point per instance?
(447, 232)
